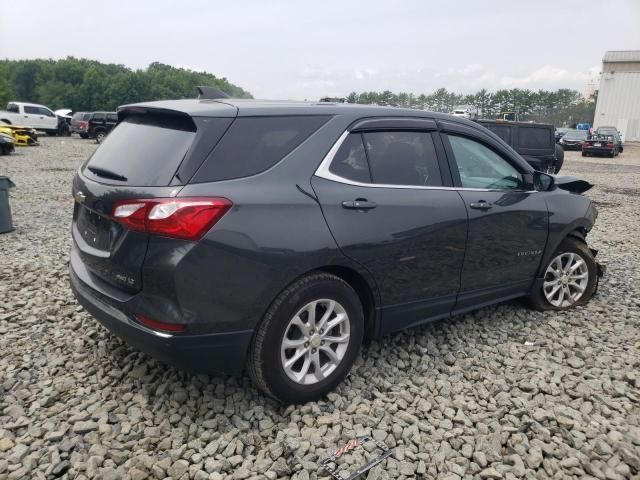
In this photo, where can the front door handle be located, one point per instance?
(359, 204)
(481, 205)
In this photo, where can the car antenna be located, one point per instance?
(210, 93)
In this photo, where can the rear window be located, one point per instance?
(503, 131)
(143, 150)
(79, 116)
(532, 137)
(13, 108)
(255, 144)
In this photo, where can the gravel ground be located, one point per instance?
(504, 392)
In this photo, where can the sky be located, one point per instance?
(288, 49)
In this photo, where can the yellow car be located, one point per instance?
(24, 136)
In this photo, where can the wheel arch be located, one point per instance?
(365, 292)
(4, 120)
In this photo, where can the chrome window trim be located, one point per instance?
(323, 172)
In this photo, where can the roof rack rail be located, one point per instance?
(210, 93)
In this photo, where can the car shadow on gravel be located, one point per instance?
(398, 359)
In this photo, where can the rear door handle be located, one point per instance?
(481, 205)
(359, 204)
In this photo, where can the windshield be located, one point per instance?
(575, 135)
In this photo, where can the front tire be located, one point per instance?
(308, 340)
(100, 136)
(84, 135)
(570, 278)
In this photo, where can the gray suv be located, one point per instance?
(277, 235)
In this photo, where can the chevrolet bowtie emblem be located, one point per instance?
(79, 197)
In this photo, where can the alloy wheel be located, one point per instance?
(565, 279)
(315, 341)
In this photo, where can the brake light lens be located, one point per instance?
(187, 218)
(585, 144)
(156, 325)
(609, 145)
(83, 124)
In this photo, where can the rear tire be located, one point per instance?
(84, 135)
(584, 154)
(289, 330)
(100, 136)
(573, 258)
(559, 158)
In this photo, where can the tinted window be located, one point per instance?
(78, 116)
(151, 162)
(481, 167)
(255, 144)
(503, 131)
(46, 112)
(31, 110)
(532, 137)
(13, 108)
(112, 117)
(402, 158)
(97, 116)
(350, 161)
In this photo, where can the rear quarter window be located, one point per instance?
(255, 144)
(532, 137)
(503, 131)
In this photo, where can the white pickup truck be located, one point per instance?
(30, 115)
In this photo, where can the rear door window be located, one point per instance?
(255, 144)
(402, 158)
(350, 161)
(532, 137)
(503, 131)
(143, 150)
(31, 110)
(97, 117)
(112, 117)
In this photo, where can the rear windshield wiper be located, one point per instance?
(103, 172)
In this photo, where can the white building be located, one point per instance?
(619, 93)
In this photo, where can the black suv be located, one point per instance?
(100, 124)
(535, 142)
(278, 235)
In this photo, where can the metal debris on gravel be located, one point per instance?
(504, 392)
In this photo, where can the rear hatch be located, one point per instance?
(148, 155)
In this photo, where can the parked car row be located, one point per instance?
(603, 141)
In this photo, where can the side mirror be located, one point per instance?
(542, 181)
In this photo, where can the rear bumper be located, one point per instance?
(598, 150)
(221, 353)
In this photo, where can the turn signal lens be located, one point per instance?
(187, 218)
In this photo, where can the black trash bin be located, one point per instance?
(6, 225)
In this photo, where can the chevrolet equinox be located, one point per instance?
(219, 234)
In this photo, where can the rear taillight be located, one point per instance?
(83, 124)
(188, 218)
(585, 144)
(157, 325)
(609, 145)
